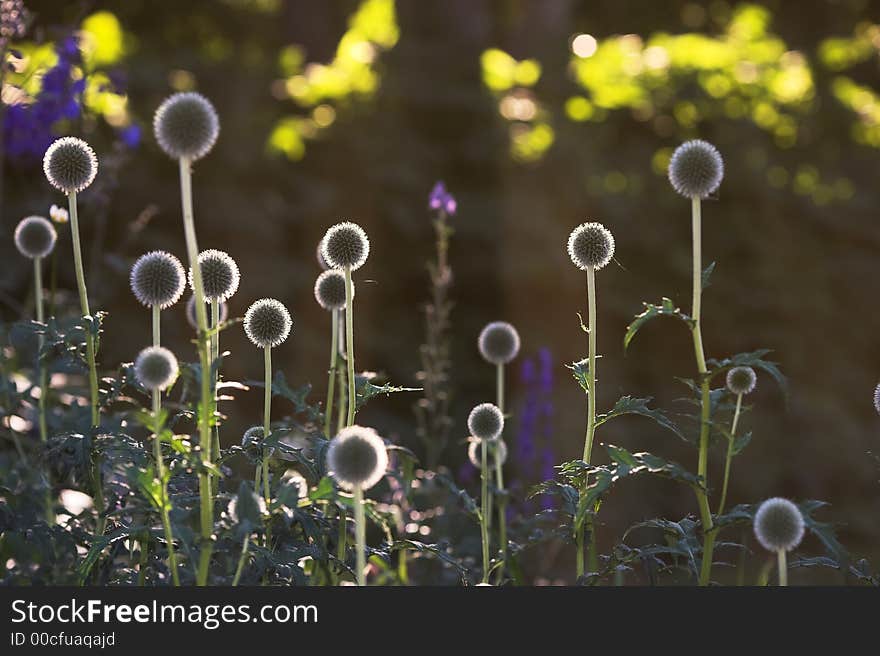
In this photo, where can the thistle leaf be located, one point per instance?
(666, 308)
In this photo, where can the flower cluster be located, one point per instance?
(441, 200)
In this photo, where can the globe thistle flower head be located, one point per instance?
(186, 126)
(252, 436)
(741, 380)
(696, 169)
(157, 278)
(330, 290)
(498, 342)
(191, 312)
(497, 450)
(156, 368)
(779, 525)
(877, 399)
(357, 457)
(70, 165)
(35, 237)
(345, 245)
(590, 245)
(220, 275)
(267, 323)
(486, 421)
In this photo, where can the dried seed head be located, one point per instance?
(156, 368)
(191, 312)
(696, 169)
(357, 457)
(345, 245)
(779, 525)
(267, 323)
(330, 290)
(220, 275)
(35, 237)
(496, 449)
(486, 421)
(498, 342)
(157, 278)
(186, 125)
(590, 245)
(741, 380)
(70, 164)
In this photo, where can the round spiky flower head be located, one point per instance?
(345, 245)
(35, 237)
(157, 278)
(70, 164)
(156, 368)
(590, 245)
(191, 312)
(220, 275)
(877, 399)
(357, 458)
(497, 449)
(253, 435)
(485, 422)
(741, 380)
(696, 169)
(186, 125)
(267, 323)
(330, 290)
(779, 525)
(498, 342)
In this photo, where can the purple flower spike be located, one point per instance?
(440, 199)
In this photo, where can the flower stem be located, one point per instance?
(730, 441)
(267, 413)
(215, 356)
(702, 465)
(591, 421)
(349, 344)
(343, 394)
(484, 503)
(499, 478)
(331, 382)
(782, 567)
(90, 351)
(241, 560)
(41, 366)
(206, 498)
(360, 531)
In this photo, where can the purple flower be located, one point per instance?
(131, 135)
(442, 200)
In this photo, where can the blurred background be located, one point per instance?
(538, 115)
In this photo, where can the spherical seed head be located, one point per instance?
(345, 245)
(357, 457)
(253, 435)
(156, 368)
(496, 449)
(498, 342)
(186, 125)
(741, 380)
(486, 421)
(779, 525)
(590, 245)
(267, 323)
(191, 312)
(330, 290)
(70, 164)
(35, 237)
(877, 399)
(696, 169)
(157, 278)
(220, 275)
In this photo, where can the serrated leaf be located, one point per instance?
(740, 442)
(666, 308)
(366, 390)
(628, 405)
(580, 370)
(707, 274)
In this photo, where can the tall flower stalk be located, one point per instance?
(740, 381)
(485, 423)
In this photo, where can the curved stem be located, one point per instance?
(782, 566)
(349, 344)
(591, 421)
(331, 382)
(241, 560)
(484, 503)
(730, 441)
(206, 498)
(360, 531)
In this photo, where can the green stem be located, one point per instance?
(499, 478)
(783, 568)
(215, 356)
(41, 366)
(241, 560)
(591, 421)
(349, 344)
(730, 442)
(484, 503)
(267, 413)
(331, 382)
(708, 536)
(341, 405)
(342, 541)
(360, 531)
(206, 498)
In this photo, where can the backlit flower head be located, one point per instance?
(496, 449)
(696, 169)
(357, 457)
(345, 245)
(220, 275)
(741, 380)
(191, 312)
(156, 368)
(186, 125)
(877, 399)
(485, 422)
(252, 436)
(267, 323)
(590, 245)
(157, 278)
(70, 164)
(330, 290)
(35, 237)
(498, 342)
(779, 525)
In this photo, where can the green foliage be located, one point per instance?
(666, 308)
